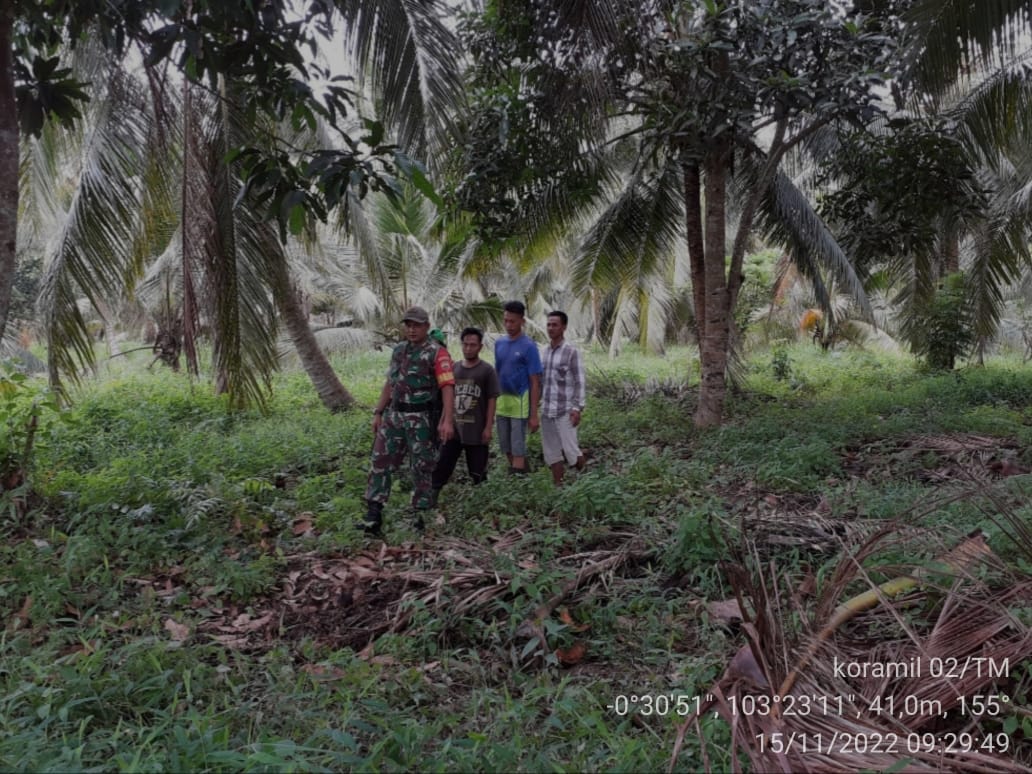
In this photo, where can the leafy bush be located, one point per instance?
(590, 497)
(946, 329)
(700, 542)
(26, 413)
(781, 363)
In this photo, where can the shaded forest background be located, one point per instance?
(792, 237)
(186, 175)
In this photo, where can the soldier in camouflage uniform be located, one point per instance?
(420, 369)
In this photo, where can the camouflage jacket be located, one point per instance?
(418, 371)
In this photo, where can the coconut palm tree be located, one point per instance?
(713, 100)
(407, 257)
(243, 266)
(124, 209)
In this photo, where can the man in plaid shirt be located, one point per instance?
(562, 399)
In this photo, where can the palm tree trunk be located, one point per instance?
(716, 325)
(331, 392)
(643, 321)
(187, 229)
(223, 266)
(8, 164)
(951, 252)
(596, 315)
(696, 247)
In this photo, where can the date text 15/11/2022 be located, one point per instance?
(889, 743)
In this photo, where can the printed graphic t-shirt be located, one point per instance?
(474, 386)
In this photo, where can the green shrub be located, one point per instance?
(27, 411)
(781, 363)
(946, 330)
(701, 541)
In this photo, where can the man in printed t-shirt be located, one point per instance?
(519, 376)
(476, 393)
(419, 369)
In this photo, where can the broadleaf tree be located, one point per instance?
(939, 187)
(719, 90)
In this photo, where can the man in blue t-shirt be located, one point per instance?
(519, 375)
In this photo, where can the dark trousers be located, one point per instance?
(476, 462)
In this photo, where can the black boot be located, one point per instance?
(373, 522)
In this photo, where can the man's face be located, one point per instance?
(555, 328)
(471, 346)
(416, 332)
(513, 323)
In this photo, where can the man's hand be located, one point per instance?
(377, 421)
(574, 417)
(486, 435)
(445, 431)
(534, 423)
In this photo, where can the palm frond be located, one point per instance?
(163, 272)
(39, 182)
(634, 235)
(94, 254)
(409, 55)
(788, 216)
(553, 208)
(241, 256)
(958, 605)
(954, 37)
(161, 199)
(631, 247)
(998, 111)
(1002, 252)
(368, 246)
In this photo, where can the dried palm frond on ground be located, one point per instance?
(352, 600)
(957, 561)
(951, 465)
(771, 523)
(937, 459)
(889, 684)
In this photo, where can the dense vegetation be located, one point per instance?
(184, 588)
(792, 234)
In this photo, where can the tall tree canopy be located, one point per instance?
(713, 96)
(251, 59)
(941, 187)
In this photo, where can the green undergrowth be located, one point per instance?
(154, 506)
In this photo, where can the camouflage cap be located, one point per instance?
(416, 314)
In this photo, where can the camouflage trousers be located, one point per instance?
(401, 433)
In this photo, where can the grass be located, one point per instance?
(155, 508)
